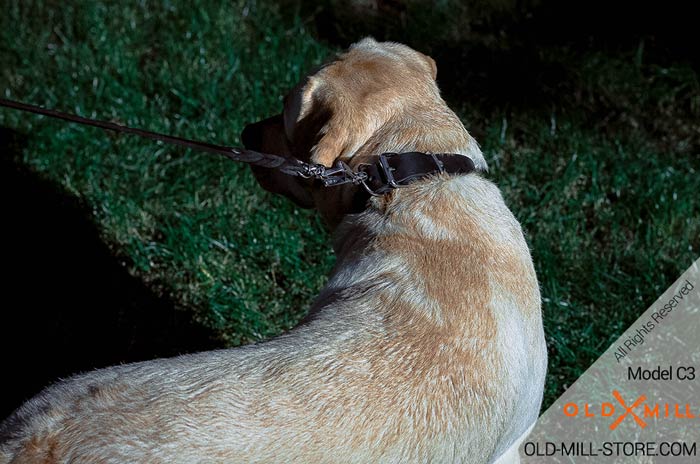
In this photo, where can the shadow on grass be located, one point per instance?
(68, 304)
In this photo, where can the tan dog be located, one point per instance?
(426, 345)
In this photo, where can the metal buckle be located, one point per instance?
(387, 170)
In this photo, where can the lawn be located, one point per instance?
(605, 184)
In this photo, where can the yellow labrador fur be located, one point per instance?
(426, 345)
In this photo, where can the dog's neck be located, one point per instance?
(427, 224)
(431, 129)
(397, 212)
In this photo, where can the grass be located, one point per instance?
(606, 187)
(194, 225)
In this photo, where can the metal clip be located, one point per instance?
(310, 171)
(339, 174)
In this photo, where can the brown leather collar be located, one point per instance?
(395, 170)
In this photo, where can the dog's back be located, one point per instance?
(432, 335)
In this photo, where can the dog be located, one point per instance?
(426, 344)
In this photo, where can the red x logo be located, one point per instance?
(628, 410)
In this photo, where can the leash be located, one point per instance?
(390, 171)
(336, 175)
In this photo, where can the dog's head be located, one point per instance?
(374, 98)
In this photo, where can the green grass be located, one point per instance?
(192, 224)
(610, 206)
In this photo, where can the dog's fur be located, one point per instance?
(426, 345)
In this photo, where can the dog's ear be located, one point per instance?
(308, 123)
(321, 122)
(297, 105)
(268, 136)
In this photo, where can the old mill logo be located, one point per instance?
(638, 410)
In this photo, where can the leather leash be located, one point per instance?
(390, 171)
(290, 166)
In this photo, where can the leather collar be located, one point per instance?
(395, 170)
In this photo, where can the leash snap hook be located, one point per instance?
(312, 171)
(339, 174)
